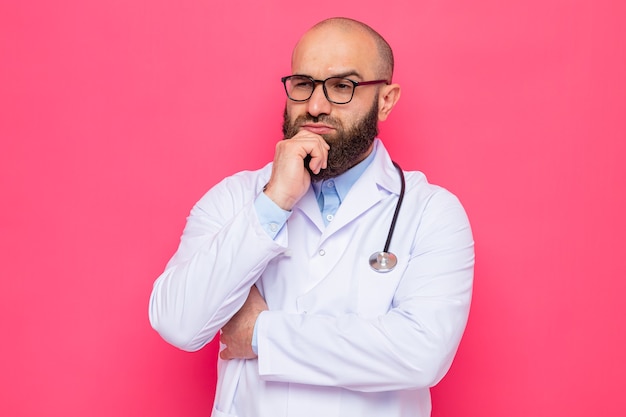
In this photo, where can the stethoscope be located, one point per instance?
(385, 261)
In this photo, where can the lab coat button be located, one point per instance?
(322, 252)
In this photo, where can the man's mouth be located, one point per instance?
(319, 129)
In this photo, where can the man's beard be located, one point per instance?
(347, 147)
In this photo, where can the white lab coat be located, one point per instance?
(339, 339)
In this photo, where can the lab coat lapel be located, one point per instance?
(309, 207)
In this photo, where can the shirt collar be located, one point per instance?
(345, 181)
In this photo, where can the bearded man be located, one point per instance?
(278, 260)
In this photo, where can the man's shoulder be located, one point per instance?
(418, 187)
(247, 178)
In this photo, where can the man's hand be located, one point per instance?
(237, 333)
(290, 180)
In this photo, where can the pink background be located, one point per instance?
(116, 116)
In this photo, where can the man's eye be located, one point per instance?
(302, 84)
(343, 86)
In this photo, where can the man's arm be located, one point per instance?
(224, 248)
(223, 251)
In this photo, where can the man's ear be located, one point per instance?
(387, 99)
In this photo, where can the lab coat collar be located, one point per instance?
(382, 170)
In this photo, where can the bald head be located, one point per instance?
(339, 27)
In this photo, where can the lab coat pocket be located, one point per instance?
(377, 289)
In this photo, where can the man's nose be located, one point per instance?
(318, 103)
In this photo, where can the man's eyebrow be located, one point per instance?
(346, 74)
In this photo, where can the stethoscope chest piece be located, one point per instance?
(383, 261)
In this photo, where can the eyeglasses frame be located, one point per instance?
(323, 82)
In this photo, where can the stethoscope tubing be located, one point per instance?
(398, 206)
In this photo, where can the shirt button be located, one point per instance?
(330, 184)
(322, 252)
(273, 227)
(330, 217)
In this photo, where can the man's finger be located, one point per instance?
(224, 354)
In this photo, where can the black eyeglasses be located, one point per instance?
(337, 90)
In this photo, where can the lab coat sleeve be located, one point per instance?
(222, 252)
(410, 347)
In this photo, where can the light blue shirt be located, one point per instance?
(330, 193)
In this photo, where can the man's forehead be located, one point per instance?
(334, 52)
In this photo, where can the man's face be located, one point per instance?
(348, 128)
